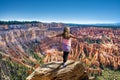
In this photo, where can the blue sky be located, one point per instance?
(68, 11)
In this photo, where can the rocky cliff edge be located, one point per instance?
(54, 71)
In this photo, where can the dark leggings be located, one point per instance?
(65, 56)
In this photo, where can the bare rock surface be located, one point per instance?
(55, 71)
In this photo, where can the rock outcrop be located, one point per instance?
(55, 71)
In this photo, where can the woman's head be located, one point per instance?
(66, 32)
(67, 29)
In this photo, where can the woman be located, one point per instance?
(66, 43)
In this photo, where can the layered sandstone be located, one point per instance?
(54, 71)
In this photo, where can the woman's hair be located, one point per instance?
(66, 33)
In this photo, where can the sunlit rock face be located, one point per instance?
(21, 42)
(53, 71)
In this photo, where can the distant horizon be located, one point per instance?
(63, 22)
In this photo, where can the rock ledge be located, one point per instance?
(54, 71)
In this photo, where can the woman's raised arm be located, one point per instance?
(72, 36)
(58, 35)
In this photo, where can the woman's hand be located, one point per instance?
(79, 37)
(50, 36)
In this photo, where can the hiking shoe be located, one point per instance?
(64, 65)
